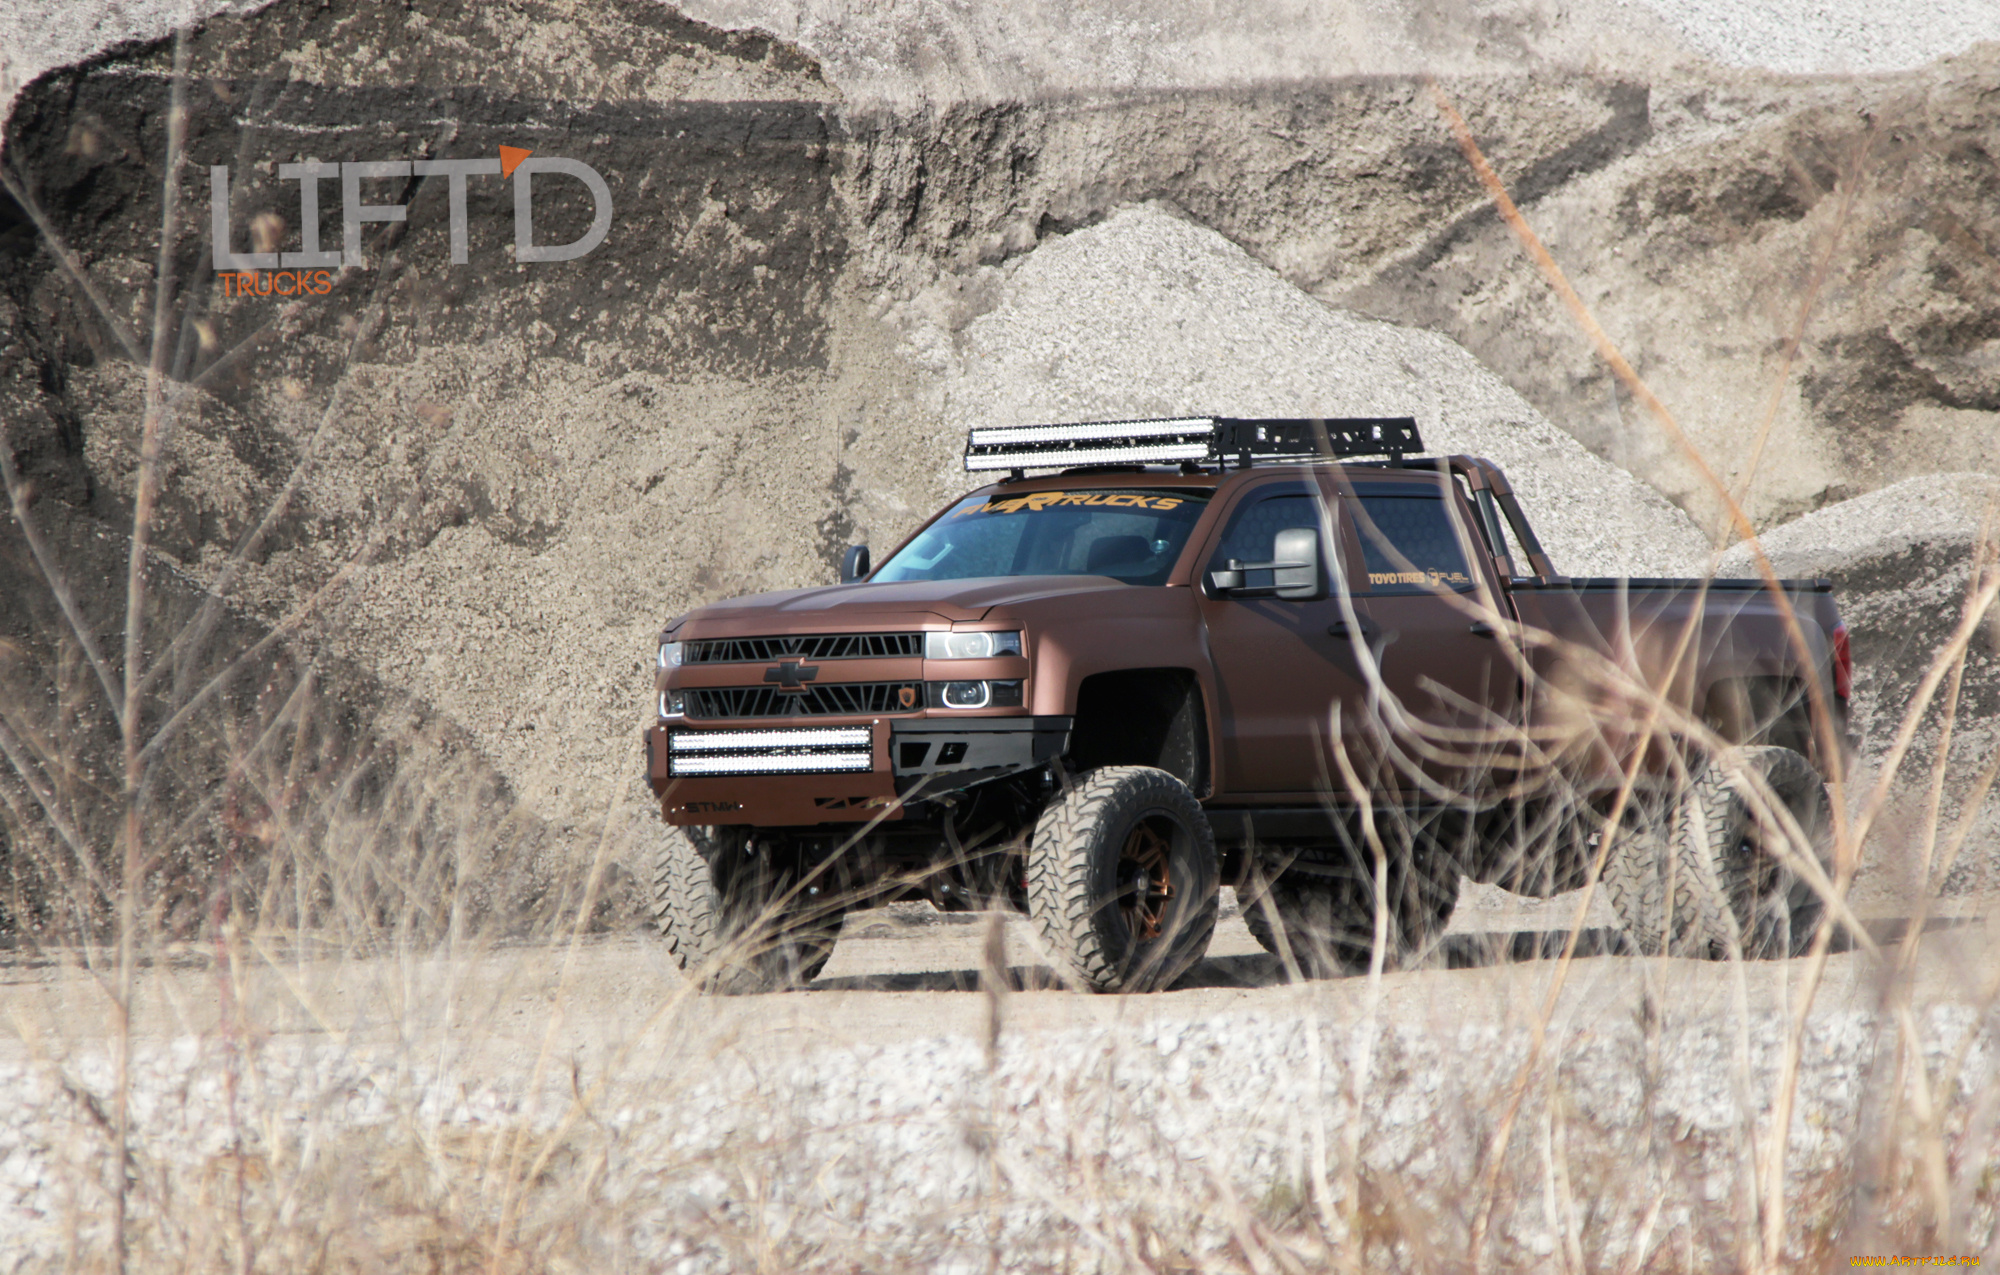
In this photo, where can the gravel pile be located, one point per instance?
(1900, 559)
(1021, 47)
(1024, 48)
(1016, 46)
(1149, 315)
(1826, 37)
(38, 35)
(1062, 1147)
(1927, 520)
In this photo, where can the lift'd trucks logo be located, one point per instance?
(309, 271)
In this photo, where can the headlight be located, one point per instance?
(670, 655)
(964, 695)
(971, 646)
(672, 704)
(974, 694)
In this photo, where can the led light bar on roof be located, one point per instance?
(1090, 443)
(1208, 439)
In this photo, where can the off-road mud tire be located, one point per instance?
(1772, 908)
(732, 918)
(1662, 884)
(1326, 913)
(1074, 865)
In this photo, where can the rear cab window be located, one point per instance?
(1406, 540)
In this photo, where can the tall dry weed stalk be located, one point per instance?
(292, 834)
(1983, 585)
(302, 866)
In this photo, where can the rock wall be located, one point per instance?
(810, 284)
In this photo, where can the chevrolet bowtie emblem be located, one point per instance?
(792, 675)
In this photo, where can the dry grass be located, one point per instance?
(266, 963)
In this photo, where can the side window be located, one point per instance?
(1256, 523)
(1408, 545)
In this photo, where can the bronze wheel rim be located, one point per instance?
(1145, 878)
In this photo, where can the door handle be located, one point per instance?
(1481, 628)
(1341, 629)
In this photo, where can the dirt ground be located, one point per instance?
(842, 1127)
(908, 973)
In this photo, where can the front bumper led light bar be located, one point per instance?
(1212, 440)
(825, 750)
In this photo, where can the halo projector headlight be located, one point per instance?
(965, 695)
(971, 646)
(670, 656)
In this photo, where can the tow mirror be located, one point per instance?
(854, 564)
(1295, 564)
(1294, 568)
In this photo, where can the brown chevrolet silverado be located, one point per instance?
(1205, 652)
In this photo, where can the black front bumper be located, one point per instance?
(943, 755)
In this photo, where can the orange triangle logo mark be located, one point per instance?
(510, 159)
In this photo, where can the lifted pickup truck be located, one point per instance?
(1214, 651)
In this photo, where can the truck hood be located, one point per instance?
(843, 608)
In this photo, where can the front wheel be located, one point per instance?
(1122, 880)
(1321, 912)
(736, 914)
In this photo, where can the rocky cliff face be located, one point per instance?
(497, 474)
(495, 453)
(1807, 273)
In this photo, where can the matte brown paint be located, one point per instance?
(1267, 670)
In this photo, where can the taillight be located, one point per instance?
(1843, 663)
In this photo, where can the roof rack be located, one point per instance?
(1215, 440)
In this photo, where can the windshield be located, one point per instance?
(1131, 536)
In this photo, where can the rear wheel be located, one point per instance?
(1759, 814)
(1661, 884)
(1122, 879)
(1722, 872)
(1322, 914)
(735, 913)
